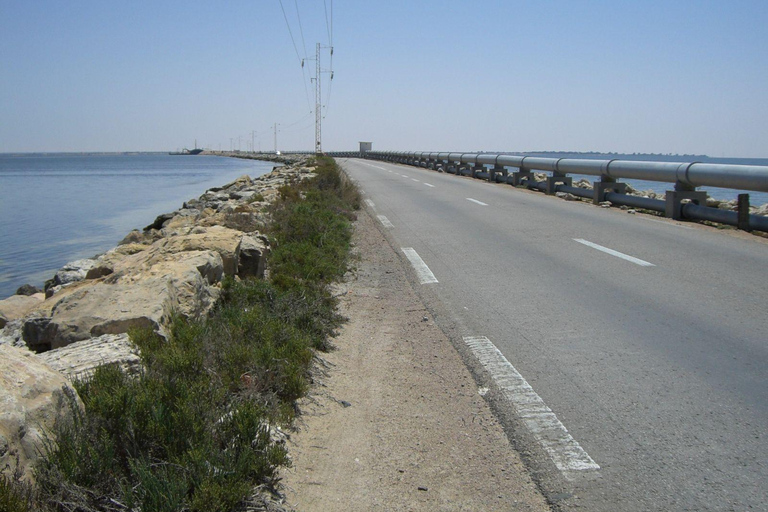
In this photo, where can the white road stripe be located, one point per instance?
(618, 254)
(543, 424)
(414, 179)
(422, 270)
(370, 203)
(427, 184)
(385, 221)
(476, 201)
(374, 166)
(403, 175)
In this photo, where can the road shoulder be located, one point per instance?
(394, 420)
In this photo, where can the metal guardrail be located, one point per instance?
(684, 202)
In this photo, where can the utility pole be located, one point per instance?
(318, 106)
(253, 144)
(276, 138)
(230, 144)
(318, 97)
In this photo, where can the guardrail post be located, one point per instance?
(743, 211)
(674, 206)
(557, 177)
(520, 175)
(477, 168)
(606, 184)
(497, 169)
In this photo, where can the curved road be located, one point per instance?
(631, 351)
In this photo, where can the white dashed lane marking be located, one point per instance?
(385, 222)
(370, 203)
(374, 166)
(422, 270)
(543, 424)
(618, 254)
(427, 184)
(477, 202)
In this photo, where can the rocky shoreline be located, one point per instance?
(81, 318)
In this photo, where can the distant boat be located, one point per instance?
(186, 151)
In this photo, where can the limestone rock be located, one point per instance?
(11, 334)
(80, 359)
(253, 252)
(18, 306)
(223, 240)
(140, 296)
(33, 397)
(72, 272)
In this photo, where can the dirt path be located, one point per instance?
(396, 422)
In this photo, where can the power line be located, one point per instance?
(301, 29)
(289, 31)
(301, 61)
(327, 26)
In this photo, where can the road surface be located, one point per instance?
(627, 353)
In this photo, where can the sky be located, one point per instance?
(680, 77)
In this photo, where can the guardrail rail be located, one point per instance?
(683, 202)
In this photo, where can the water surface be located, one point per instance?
(56, 208)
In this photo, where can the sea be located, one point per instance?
(56, 208)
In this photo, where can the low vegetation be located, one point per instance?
(196, 429)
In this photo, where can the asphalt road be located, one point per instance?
(636, 379)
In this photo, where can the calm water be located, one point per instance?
(59, 208)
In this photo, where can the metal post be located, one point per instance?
(743, 212)
(318, 106)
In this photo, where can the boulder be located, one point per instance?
(80, 359)
(144, 296)
(28, 289)
(33, 396)
(253, 251)
(223, 240)
(72, 272)
(11, 334)
(160, 220)
(18, 306)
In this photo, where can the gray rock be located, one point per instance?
(160, 221)
(11, 334)
(252, 257)
(80, 359)
(73, 272)
(28, 289)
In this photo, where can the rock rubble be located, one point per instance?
(174, 266)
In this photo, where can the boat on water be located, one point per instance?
(185, 151)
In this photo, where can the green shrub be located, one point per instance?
(191, 431)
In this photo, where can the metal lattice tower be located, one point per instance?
(318, 106)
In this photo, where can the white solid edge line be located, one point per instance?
(476, 201)
(385, 221)
(636, 261)
(427, 184)
(422, 270)
(550, 433)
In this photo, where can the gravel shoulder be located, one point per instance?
(395, 420)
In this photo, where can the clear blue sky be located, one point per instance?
(625, 76)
